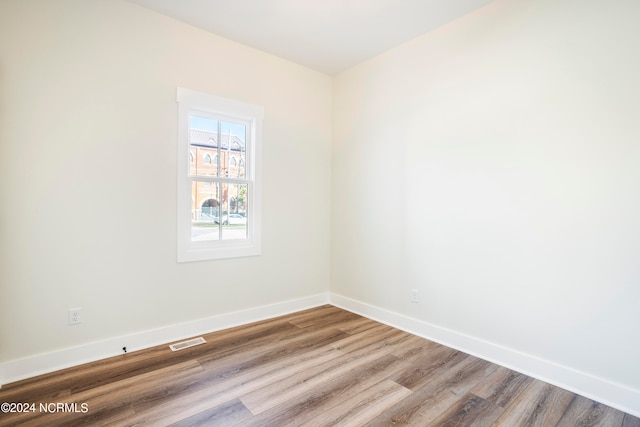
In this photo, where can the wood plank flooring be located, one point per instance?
(318, 367)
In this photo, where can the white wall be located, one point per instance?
(88, 174)
(493, 165)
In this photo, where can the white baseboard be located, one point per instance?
(607, 392)
(28, 367)
(601, 390)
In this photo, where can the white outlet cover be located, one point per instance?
(75, 316)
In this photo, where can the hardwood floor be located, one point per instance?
(319, 367)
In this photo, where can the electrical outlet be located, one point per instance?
(74, 316)
(414, 296)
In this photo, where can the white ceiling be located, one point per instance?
(326, 35)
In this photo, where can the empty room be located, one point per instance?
(328, 213)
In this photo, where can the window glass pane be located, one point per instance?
(233, 149)
(236, 219)
(205, 208)
(203, 146)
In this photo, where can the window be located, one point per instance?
(218, 202)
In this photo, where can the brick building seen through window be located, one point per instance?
(206, 158)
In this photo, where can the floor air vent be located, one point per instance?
(186, 344)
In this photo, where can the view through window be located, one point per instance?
(219, 188)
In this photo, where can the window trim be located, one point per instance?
(190, 101)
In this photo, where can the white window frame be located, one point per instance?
(190, 101)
